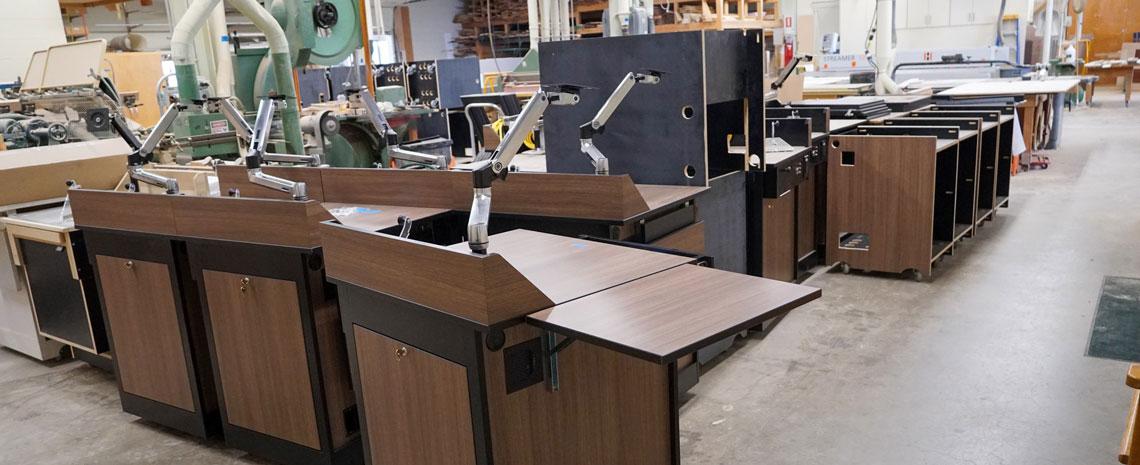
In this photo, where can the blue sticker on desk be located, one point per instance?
(578, 245)
(367, 211)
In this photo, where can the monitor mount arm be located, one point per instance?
(598, 124)
(484, 173)
(364, 99)
(258, 142)
(788, 70)
(142, 152)
(244, 131)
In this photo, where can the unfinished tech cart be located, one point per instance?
(892, 197)
(548, 349)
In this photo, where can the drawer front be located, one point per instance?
(416, 405)
(259, 349)
(147, 338)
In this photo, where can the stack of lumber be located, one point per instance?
(473, 22)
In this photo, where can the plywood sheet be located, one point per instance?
(40, 173)
(1008, 87)
(72, 65)
(34, 76)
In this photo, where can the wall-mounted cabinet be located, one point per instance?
(915, 14)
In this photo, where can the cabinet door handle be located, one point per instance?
(130, 264)
(401, 352)
(244, 283)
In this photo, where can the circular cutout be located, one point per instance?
(690, 171)
(687, 112)
(835, 144)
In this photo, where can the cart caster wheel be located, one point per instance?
(845, 268)
(918, 278)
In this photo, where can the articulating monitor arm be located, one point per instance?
(226, 107)
(365, 99)
(788, 70)
(485, 173)
(598, 124)
(233, 115)
(142, 151)
(257, 154)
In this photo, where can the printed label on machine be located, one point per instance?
(219, 127)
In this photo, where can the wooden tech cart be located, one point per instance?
(219, 312)
(1005, 123)
(970, 144)
(892, 198)
(548, 349)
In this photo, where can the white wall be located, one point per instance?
(26, 26)
(432, 26)
(150, 22)
(855, 18)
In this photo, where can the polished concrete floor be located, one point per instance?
(984, 365)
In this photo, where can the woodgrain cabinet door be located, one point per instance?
(259, 348)
(780, 238)
(147, 338)
(416, 405)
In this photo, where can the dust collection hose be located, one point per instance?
(193, 21)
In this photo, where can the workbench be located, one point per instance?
(548, 349)
(1038, 115)
(1107, 72)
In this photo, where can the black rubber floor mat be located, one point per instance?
(1116, 327)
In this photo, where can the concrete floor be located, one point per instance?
(984, 365)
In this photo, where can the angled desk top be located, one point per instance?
(377, 217)
(661, 196)
(565, 268)
(667, 315)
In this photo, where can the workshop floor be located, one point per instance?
(984, 365)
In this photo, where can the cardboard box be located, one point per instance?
(41, 173)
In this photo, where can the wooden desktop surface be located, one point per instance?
(661, 196)
(579, 196)
(377, 217)
(665, 316)
(565, 268)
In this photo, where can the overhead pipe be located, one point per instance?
(180, 47)
(885, 47)
(279, 54)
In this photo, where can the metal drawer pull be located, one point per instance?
(401, 352)
(244, 284)
(130, 264)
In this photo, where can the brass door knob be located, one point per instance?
(130, 264)
(401, 352)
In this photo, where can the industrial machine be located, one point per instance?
(61, 98)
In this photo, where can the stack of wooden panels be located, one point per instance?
(508, 23)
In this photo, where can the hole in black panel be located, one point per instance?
(835, 143)
(848, 158)
(690, 171)
(687, 112)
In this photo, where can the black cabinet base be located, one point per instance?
(97, 361)
(171, 417)
(286, 452)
